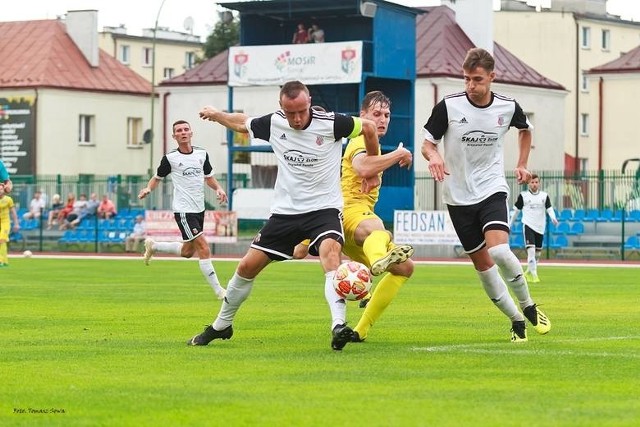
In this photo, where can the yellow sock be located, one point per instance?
(375, 246)
(4, 258)
(385, 292)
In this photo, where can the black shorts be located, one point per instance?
(532, 238)
(282, 233)
(472, 221)
(190, 224)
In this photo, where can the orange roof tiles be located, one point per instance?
(42, 54)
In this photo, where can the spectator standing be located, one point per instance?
(301, 36)
(106, 208)
(316, 34)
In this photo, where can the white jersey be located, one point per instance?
(534, 207)
(473, 144)
(188, 172)
(308, 160)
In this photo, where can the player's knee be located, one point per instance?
(404, 269)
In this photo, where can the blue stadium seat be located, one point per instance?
(632, 243)
(561, 228)
(579, 215)
(591, 215)
(516, 240)
(633, 216)
(559, 242)
(605, 215)
(517, 227)
(565, 215)
(577, 228)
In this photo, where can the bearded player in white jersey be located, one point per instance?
(535, 204)
(307, 202)
(190, 169)
(471, 126)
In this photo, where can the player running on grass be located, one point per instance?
(472, 125)
(190, 169)
(366, 239)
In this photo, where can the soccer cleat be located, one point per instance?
(342, 334)
(148, 250)
(538, 319)
(518, 331)
(356, 337)
(363, 302)
(531, 278)
(396, 255)
(209, 334)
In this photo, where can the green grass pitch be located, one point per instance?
(101, 342)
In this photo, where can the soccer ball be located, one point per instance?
(27, 254)
(352, 280)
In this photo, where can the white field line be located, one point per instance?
(492, 348)
(315, 259)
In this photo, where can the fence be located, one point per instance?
(609, 194)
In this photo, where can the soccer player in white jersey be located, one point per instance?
(307, 203)
(190, 169)
(533, 203)
(471, 126)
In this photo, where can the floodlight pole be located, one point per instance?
(153, 89)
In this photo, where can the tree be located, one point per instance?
(224, 35)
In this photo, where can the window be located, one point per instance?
(189, 60)
(585, 83)
(584, 124)
(147, 56)
(586, 37)
(606, 40)
(168, 73)
(124, 54)
(85, 129)
(134, 131)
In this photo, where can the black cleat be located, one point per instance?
(356, 337)
(363, 302)
(342, 334)
(518, 331)
(209, 334)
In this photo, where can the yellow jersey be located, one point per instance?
(351, 183)
(6, 203)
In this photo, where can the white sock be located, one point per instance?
(337, 305)
(512, 272)
(496, 289)
(531, 259)
(168, 247)
(209, 273)
(238, 290)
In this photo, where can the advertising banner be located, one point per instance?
(424, 228)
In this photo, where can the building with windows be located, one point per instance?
(176, 52)
(564, 42)
(66, 106)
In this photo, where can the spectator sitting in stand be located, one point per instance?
(139, 234)
(301, 36)
(54, 212)
(106, 208)
(90, 209)
(35, 207)
(78, 206)
(67, 209)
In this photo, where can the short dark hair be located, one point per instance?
(478, 57)
(375, 97)
(179, 122)
(292, 89)
(534, 176)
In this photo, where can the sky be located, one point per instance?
(139, 14)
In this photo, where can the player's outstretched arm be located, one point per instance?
(233, 121)
(436, 163)
(368, 166)
(151, 185)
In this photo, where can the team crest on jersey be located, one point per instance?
(319, 140)
(500, 121)
(194, 230)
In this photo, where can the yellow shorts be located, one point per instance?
(4, 234)
(352, 217)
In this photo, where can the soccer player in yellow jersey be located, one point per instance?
(366, 239)
(6, 207)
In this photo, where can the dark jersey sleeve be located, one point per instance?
(519, 119)
(342, 126)
(261, 127)
(206, 168)
(439, 121)
(547, 203)
(165, 167)
(519, 202)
